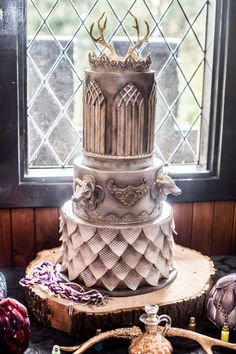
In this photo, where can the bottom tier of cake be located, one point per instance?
(117, 257)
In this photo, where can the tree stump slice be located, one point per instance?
(182, 298)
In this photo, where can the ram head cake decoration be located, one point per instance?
(112, 62)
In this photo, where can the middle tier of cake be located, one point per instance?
(124, 195)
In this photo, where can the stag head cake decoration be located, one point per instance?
(131, 61)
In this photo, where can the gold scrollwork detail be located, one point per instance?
(130, 194)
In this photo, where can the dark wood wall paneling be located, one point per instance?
(5, 238)
(24, 232)
(208, 227)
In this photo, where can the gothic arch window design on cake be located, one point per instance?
(151, 119)
(128, 122)
(94, 119)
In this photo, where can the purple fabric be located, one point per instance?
(47, 276)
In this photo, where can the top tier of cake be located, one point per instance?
(119, 114)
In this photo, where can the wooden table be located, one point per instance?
(43, 338)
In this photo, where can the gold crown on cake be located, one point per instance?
(112, 62)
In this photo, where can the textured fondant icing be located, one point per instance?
(119, 113)
(142, 202)
(117, 228)
(120, 257)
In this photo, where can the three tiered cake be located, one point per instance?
(117, 228)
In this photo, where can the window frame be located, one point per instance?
(19, 190)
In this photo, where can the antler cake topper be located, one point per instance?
(140, 41)
(132, 61)
(100, 39)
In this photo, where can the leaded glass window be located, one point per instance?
(58, 43)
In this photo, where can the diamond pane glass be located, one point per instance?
(63, 20)
(40, 108)
(44, 157)
(34, 76)
(174, 21)
(35, 139)
(58, 47)
(59, 137)
(183, 155)
(43, 52)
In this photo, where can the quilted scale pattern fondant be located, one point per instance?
(117, 258)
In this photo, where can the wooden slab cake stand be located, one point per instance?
(183, 298)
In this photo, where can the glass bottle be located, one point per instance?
(3, 286)
(192, 324)
(225, 333)
(152, 341)
(98, 346)
(56, 349)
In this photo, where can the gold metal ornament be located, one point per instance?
(101, 39)
(122, 333)
(130, 194)
(131, 51)
(152, 341)
(133, 332)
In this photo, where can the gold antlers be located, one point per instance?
(133, 332)
(139, 41)
(131, 51)
(100, 39)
